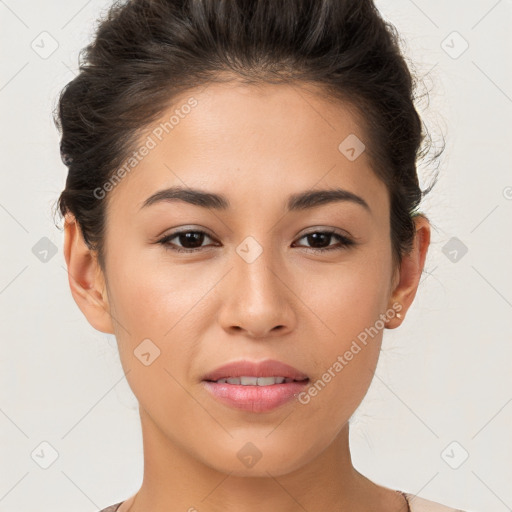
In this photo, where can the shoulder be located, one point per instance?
(112, 508)
(418, 504)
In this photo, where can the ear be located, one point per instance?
(86, 278)
(407, 281)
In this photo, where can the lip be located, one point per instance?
(266, 368)
(255, 398)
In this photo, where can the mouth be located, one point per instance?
(255, 373)
(255, 398)
(256, 381)
(255, 386)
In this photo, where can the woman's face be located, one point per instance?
(257, 287)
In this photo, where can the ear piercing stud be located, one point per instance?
(399, 315)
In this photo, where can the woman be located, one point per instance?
(241, 211)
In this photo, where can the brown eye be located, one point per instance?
(190, 241)
(319, 241)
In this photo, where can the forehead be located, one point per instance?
(248, 140)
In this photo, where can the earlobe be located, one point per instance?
(411, 270)
(85, 277)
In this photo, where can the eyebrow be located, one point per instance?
(296, 202)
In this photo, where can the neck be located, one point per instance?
(174, 480)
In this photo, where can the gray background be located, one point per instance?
(443, 387)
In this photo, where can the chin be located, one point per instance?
(257, 459)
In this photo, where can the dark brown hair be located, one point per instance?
(146, 52)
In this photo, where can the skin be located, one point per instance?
(257, 146)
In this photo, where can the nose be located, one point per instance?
(257, 298)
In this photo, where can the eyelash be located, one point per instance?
(343, 240)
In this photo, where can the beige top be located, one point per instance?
(416, 504)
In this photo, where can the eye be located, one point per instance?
(191, 241)
(318, 239)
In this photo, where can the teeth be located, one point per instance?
(255, 381)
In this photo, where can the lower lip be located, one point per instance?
(255, 398)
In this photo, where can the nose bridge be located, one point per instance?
(255, 269)
(257, 298)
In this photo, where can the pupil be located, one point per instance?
(318, 237)
(193, 237)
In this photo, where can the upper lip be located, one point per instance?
(266, 368)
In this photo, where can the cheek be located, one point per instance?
(348, 303)
(158, 311)
(350, 296)
(150, 297)
(155, 343)
(345, 358)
